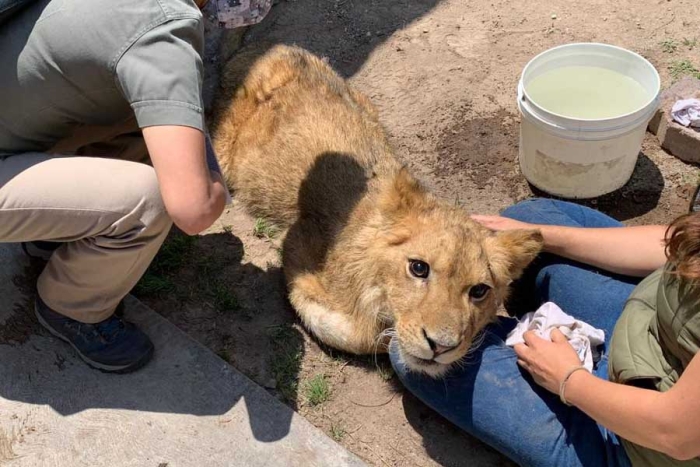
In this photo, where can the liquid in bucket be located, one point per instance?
(587, 92)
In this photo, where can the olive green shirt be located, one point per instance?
(67, 63)
(654, 340)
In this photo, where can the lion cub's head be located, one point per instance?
(443, 275)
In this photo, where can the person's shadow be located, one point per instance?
(343, 32)
(184, 377)
(346, 32)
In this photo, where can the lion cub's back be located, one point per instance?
(294, 121)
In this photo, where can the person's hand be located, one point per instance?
(547, 362)
(502, 223)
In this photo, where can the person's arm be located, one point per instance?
(633, 251)
(194, 195)
(160, 76)
(663, 421)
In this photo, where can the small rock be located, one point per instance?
(425, 31)
(554, 16)
(369, 34)
(270, 383)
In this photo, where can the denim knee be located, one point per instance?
(395, 358)
(529, 210)
(556, 212)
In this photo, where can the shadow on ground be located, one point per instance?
(444, 442)
(236, 309)
(182, 378)
(345, 31)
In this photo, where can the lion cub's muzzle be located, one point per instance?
(444, 347)
(433, 352)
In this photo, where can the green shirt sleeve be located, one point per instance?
(160, 75)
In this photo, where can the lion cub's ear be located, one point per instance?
(511, 251)
(402, 195)
(401, 199)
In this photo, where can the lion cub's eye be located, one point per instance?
(419, 269)
(479, 292)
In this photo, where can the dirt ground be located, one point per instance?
(443, 75)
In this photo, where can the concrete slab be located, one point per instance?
(682, 142)
(186, 408)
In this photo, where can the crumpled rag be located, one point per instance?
(687, 112)
(583, 337)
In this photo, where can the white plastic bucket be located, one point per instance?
(578, 158)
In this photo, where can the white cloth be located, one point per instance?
(687, 112)
(583, 337)
(232, 14)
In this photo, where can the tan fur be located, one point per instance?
(303, 150)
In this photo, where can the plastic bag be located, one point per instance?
(232, 14)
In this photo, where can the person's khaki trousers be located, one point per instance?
(100, 202)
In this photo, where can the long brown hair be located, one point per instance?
(683, 246)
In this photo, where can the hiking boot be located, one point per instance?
(113, 345)
(40, 249)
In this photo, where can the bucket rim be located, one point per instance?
(595, 134)
(600, 126)
(653, 100)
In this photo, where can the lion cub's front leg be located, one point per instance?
(339, 330)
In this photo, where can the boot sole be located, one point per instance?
(117, 369)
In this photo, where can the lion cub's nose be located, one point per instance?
(436, 347)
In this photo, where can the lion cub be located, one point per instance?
(369, 254)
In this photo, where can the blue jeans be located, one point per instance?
(10, 7)
(494, 400)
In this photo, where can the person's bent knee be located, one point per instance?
(528, 210)
(396, 360)
(542, 211)
(149, 201)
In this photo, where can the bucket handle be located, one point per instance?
(521, 92)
